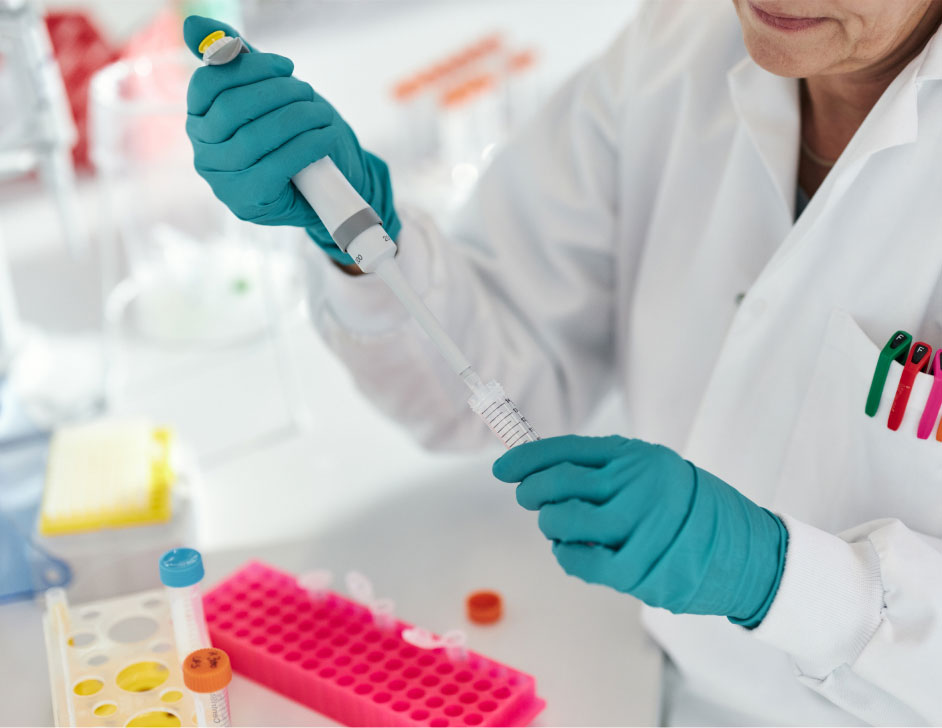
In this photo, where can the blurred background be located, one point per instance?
(131, 301)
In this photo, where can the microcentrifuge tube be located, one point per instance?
(453, 642)
(315, 583)
(383, 611)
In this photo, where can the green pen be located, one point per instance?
(896, 348)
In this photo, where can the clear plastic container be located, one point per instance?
(191, 293)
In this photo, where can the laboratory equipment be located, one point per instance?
(11, 328)
(484, 607)
(181, 571)
(116, 493)
(191, 294)
(357, 230)
(328, 655)
(47, 372)
(107, 474)
(361, 589)
(38, 133)
(315, 583)
(26, 568)
(207, 674)
(452, 642)
(113, 662)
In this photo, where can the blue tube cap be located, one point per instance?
(181, 567)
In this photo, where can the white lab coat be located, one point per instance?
(606, 245)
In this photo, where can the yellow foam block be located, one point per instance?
(107, 474)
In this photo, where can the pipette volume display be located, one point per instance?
(357, 230)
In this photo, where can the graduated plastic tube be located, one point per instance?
(181, 571)
(207, 674)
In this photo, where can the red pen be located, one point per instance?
(919, 359)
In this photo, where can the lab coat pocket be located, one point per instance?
(843, 468)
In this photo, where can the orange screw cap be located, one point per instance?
(207, 670)
(484, 607)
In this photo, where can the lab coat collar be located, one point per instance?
(931, 67)
(894, 120)
(769, 107)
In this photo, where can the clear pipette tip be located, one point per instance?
(498, 411)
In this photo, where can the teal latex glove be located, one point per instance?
(254, 126)
(641, 519)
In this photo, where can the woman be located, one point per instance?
(726, 220)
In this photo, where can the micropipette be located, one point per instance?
(358, 231)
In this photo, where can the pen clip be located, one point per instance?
(919, 360)
(897, 348)
(920, 357)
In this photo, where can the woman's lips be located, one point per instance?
(785, 22)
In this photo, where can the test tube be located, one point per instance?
(181, 571)
(207, 674)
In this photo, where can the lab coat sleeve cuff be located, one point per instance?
(364, 305)
(830, 601)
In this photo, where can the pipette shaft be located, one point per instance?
(356, 229)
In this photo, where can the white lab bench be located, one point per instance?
(427, 546)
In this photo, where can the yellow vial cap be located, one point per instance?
(207, 670)
(210, 39)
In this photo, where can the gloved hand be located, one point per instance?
(643, 520)
(253, 126)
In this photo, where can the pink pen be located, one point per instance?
(935, 399)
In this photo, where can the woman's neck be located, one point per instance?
(833, 106)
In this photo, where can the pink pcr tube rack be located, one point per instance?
(327, 653)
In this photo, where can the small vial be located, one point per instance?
(207, 674)
(181, 571)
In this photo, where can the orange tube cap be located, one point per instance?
(484, 607)
(207, 670)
